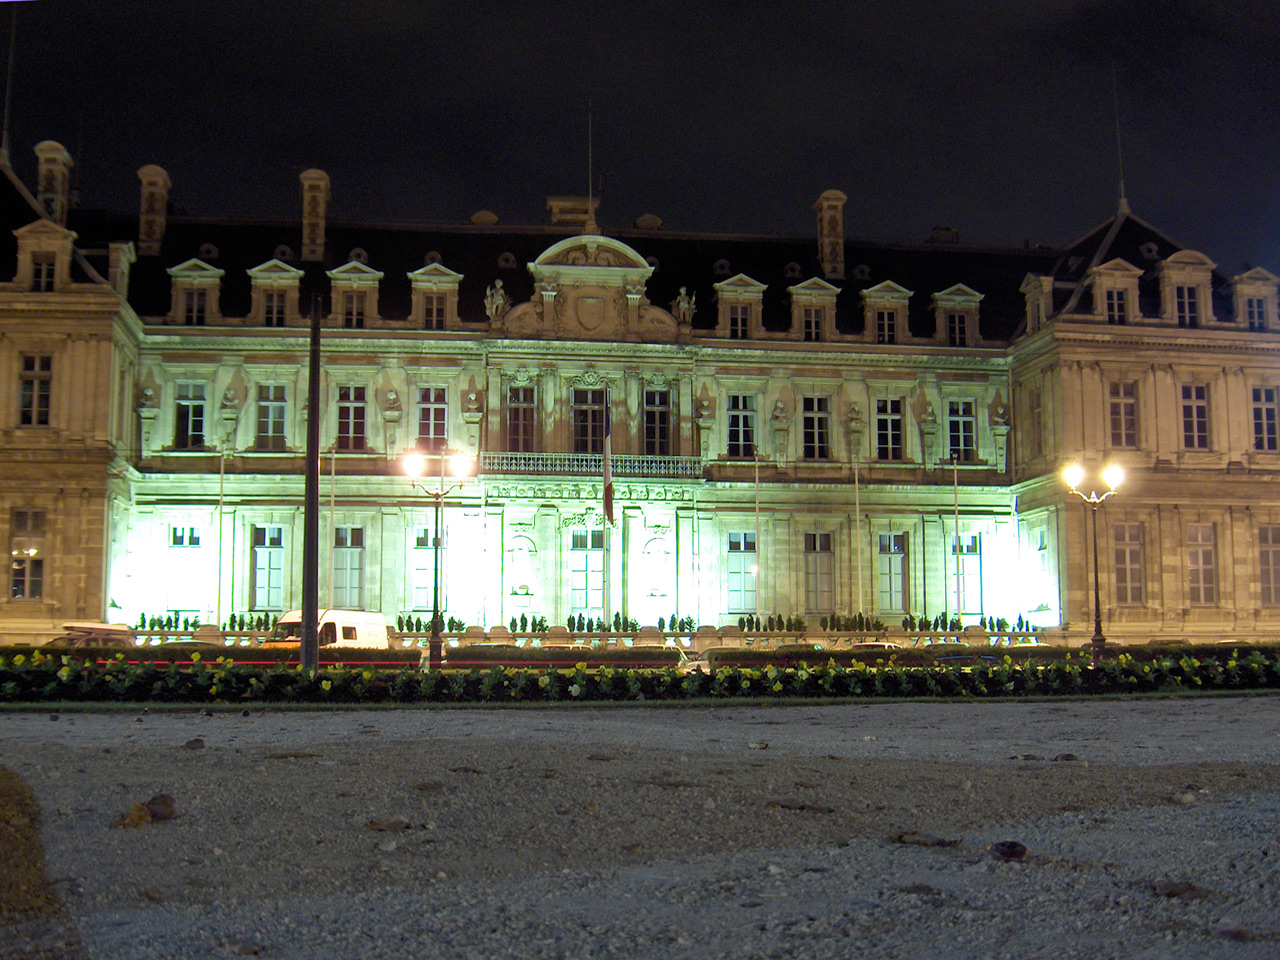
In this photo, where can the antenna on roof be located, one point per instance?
(590, 226)
(8, 88)
(1115, 101)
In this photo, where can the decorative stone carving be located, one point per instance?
(496, 302)
(683, 306)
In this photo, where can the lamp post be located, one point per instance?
(460, 465)
(1112, 476)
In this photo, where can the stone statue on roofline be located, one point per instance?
(496, 301)
(682, 307)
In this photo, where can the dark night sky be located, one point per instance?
(992, 117)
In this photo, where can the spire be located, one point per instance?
(1115, 100)
(590, 226)
(8, 88)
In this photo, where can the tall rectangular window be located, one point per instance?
(962, 426)
(1123, 399)
(188, 431)
(1255, 309)
(818, 563)
(271, 409)
(348, 568)
(42, 265)
(1128, 562)
(1269, 564)
(1117, 307)
(1034, 425)
(657, 423)
(891, 573)
(273, 308)
(351, 416)
(184, 536)
(812, 323)
(433, 311)
(586, 572)
(587, 410)
(521, 420)
(889, 429)
(26, 554)
(37, 382)
(268, 568)
(957, 330)
(742, 425)
(1195, 416)
(739, 322)
(816, 425)
(1187, 306)
(966, 551)
(886, 326)
(194, 307)
(432, 420)
(742, 572)
(353, 302)
(1202, 565)
(423, 562)
(1266, 416)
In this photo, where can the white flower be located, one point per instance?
(575, 690)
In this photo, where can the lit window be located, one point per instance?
(1124, 413)
(521, 419)
(348, 567)
(586, 572)
(188, 431)
(1266, 416)
(268, 568)
(271, 410)
(1195, 416)
(36, 383)
(26, 554)
(816, 423)
(351, 416)
(889, 429)
(966, 551)
(657, 423)
(432, 415)
(962, 428)
(742, 425)
(891, 573)
(1128, 555)
(742, 572)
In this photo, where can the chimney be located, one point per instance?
(315, 200)
(53, 176)
(579, 211)
(830, 208)
(153, 209)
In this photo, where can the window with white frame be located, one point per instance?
(587, 411)
(273, 305)
(433, 307)
(432, 420)
(195, 307)
(36, 385)
(188, 430)
(267, 588)
(1202, 565)
(742, 425)
(891, 573)
(1266, 416)
(1117, 307)
(1255, 309)
(26, 554)
(423, 563)
(42, 272)
(1195, 416)
(957, 330)
(962, 428)
(271, 411)
(812, 319)
(889, 428)
(739, 321)
(742, 571)
(348, 568)
(1128, 562)
(819, 561)
(351, 419)
(966, 552)
(1269, 564)
(886, 326)
(657, 423)
(1187, 305)
(184, 536)
(816, 427)
(521, 420)
(586, 572)
(353, 307)
(1123, 400)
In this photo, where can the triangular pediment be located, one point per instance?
(1256, 275)
(887, 290)
(814, 286)
(274, 270)
(957, 293)
(353, 271)
(740, 283)
(44, 230)
(434, 273)
(195, 269)
(1118, 267)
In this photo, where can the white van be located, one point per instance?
(339, 628)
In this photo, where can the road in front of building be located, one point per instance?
(852, 830)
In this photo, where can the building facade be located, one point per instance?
(798, 426)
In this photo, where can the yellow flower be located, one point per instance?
(213, 689)
(746, 682)
(195, 656)
(367, 674)
(19, 660)
(65, 674)
(326, 685)
(777, 685)
(543, 680)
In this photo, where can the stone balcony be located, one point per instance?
(588, 464)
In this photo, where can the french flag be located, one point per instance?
(608, 466)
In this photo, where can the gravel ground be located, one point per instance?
(614, 832)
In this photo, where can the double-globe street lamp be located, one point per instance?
(1112, 476)
(460, 465)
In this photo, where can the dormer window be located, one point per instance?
(957, 330)
(738, 314)
(435, 297)
(1117, 307)
(195, 287)
(739, 321)
(1185, 284)
(812, 324)
(42, 272)
(884, 313)
(194, 307)
(1187, 306)
(1254, 299)
(275, 293)
(813, 305)
(353, 306)
(1256, 313)
(273, 308)
(355, 294)
(886, 326)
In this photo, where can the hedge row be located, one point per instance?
(68, 678)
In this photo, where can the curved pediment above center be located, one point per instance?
(591, 250)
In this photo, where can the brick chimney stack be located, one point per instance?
(315, 201)
(153, 209)
(830, 208)
(53, 179)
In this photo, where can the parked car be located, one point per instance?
(83, 635)
(875, 645)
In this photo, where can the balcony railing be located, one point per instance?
(589, 464)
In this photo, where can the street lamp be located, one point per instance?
(1112, 476)
(460, 465)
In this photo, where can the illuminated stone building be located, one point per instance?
(798, 425)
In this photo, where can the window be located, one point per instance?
(273, 308)
(889, 429)
(739, 322)
(742, 425)
(886, 326)
(42, 265)
(657, 423)
(351, 418)
(1255, 309)
(586, 572)
(270, 417)
(967, 553)
(194, 307)
(816, 422)
(957, 330)
(37, 380)
(26, 549)
(742, 571)
(1124, 413)
(1202, 586)
(1117, 307)
(184, 536)
(268, 568)
(433, 311)
(812, 323)
(1269, 563)
(962, 425)
(818, 562)
(1186, 306)
(1034, 425)
(424, 566)
(1195, 416)
(353, 309)
(891, 573)
(1266, 413)
(1129, 576)
(188, 431)
(432, 411)
(520, 419)
(588, 421)
(348, 567)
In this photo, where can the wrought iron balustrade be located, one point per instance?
(623, 465)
